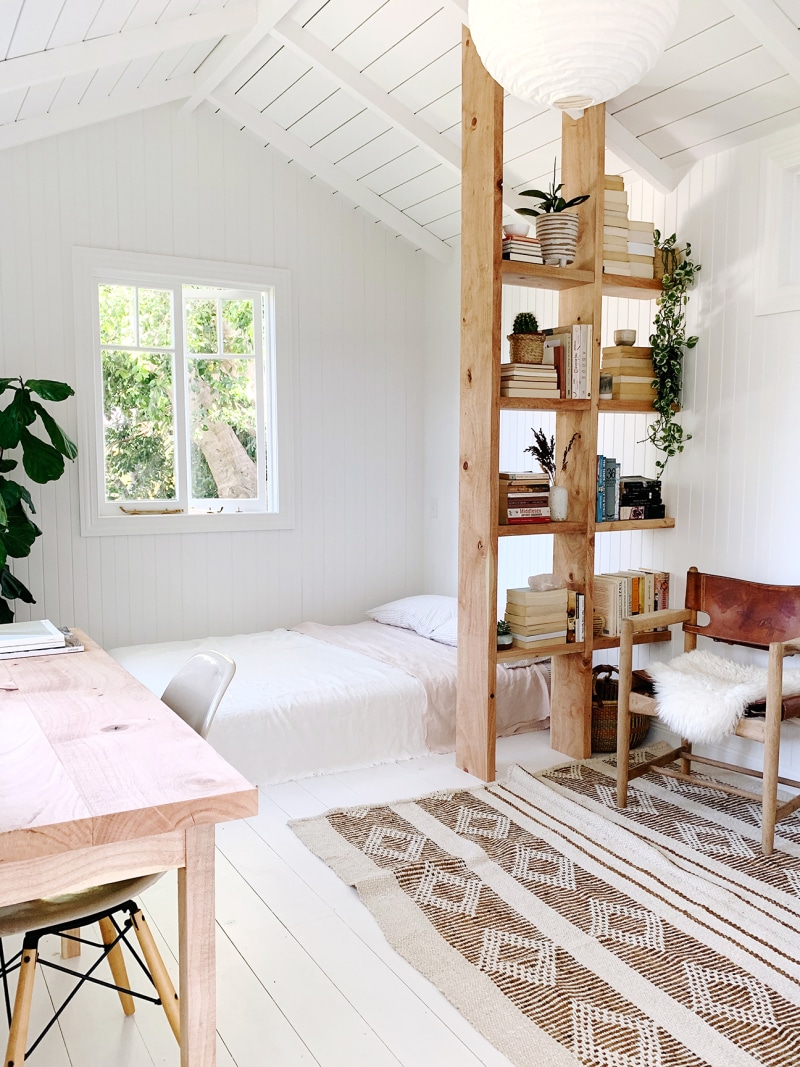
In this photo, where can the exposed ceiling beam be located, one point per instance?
(111, 107)
(621, 141)
(270, 133)
(66, 60)
(637, 155)
(356, 84)
(773, 29)
(270, 12)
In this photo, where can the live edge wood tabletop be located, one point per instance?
(100, 781)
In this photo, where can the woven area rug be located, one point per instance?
(571, 938)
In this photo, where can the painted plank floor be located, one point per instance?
(305, 976)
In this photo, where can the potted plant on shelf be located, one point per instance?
(543, 451)
(556, 226)
(526, 344)
(668, 341)
(504, 637)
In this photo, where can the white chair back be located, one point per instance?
(196, 690)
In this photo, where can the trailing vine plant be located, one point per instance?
(668, 342)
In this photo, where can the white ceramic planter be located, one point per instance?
(558, 236)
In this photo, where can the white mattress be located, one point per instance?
(297, 706)
(336, 697)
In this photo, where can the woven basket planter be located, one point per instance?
(526, 347)
(604, 712)
(659, 266)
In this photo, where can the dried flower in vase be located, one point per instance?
(543, 451)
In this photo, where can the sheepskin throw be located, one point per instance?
(702, 696)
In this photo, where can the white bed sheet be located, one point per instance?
(297, 706)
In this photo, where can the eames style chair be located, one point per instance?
(751, 614)
(194, 694)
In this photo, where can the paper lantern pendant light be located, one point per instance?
(570, 54)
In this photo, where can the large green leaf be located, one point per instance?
(3, 554)
(12, 492)
(20, 533)
(41, 461)
(9, 426)
(6, 614)
(3, 514)
(13, 589)
(5, 382)
(61, 442)
(49, 390)
(7, 465)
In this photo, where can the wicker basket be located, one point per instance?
(526, 347)
(604, 712)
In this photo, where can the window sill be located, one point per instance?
(131, 525)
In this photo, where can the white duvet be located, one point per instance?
(299, 705)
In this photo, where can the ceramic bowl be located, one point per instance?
(516, 229)
(625, 337)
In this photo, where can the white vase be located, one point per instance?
(559, 502)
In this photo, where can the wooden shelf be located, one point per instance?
(631, 288)
(635, 524)
(561, 649)
(521, 529)
(543, 276)
(527, 403)
(639, 407)
(649, 637)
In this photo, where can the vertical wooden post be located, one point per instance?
(582, 169)
(197, 950)
(481, 214)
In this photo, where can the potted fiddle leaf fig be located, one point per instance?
(556, 225)
(42, 461)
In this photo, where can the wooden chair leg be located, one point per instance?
(161, 979)
(18, 1034)
(69, 948)
(686, 764)
(116, 962)
(772, 746)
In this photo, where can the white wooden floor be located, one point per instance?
(304, 974)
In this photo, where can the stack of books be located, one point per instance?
(627, 593)
(641, 249)
(38, 638)
(523, 498)
(522, 249)
(608, 479)
(615, 226)
(537, 618)
(640, 498)
(529, 379)
(569, 349)
(631, 370)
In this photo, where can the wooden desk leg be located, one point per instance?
(196, 945)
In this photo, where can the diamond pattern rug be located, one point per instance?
(572, 934)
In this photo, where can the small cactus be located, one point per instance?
(503, 628)
(525, 322)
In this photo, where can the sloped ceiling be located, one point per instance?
(366, 95)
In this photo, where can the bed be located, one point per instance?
(317, 698)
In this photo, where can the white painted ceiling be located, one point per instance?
(365, 94)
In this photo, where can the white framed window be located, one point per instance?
(181, 364)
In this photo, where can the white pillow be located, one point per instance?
(447, 633)
(422, 614)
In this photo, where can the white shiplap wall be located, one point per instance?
(164, 183)
(734, 491)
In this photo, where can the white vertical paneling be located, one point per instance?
(197, 186)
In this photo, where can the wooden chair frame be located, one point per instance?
(747, 613)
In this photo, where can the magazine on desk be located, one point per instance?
(42, 640)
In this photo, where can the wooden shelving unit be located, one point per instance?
(581, 288)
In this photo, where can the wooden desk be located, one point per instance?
(99, 781)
